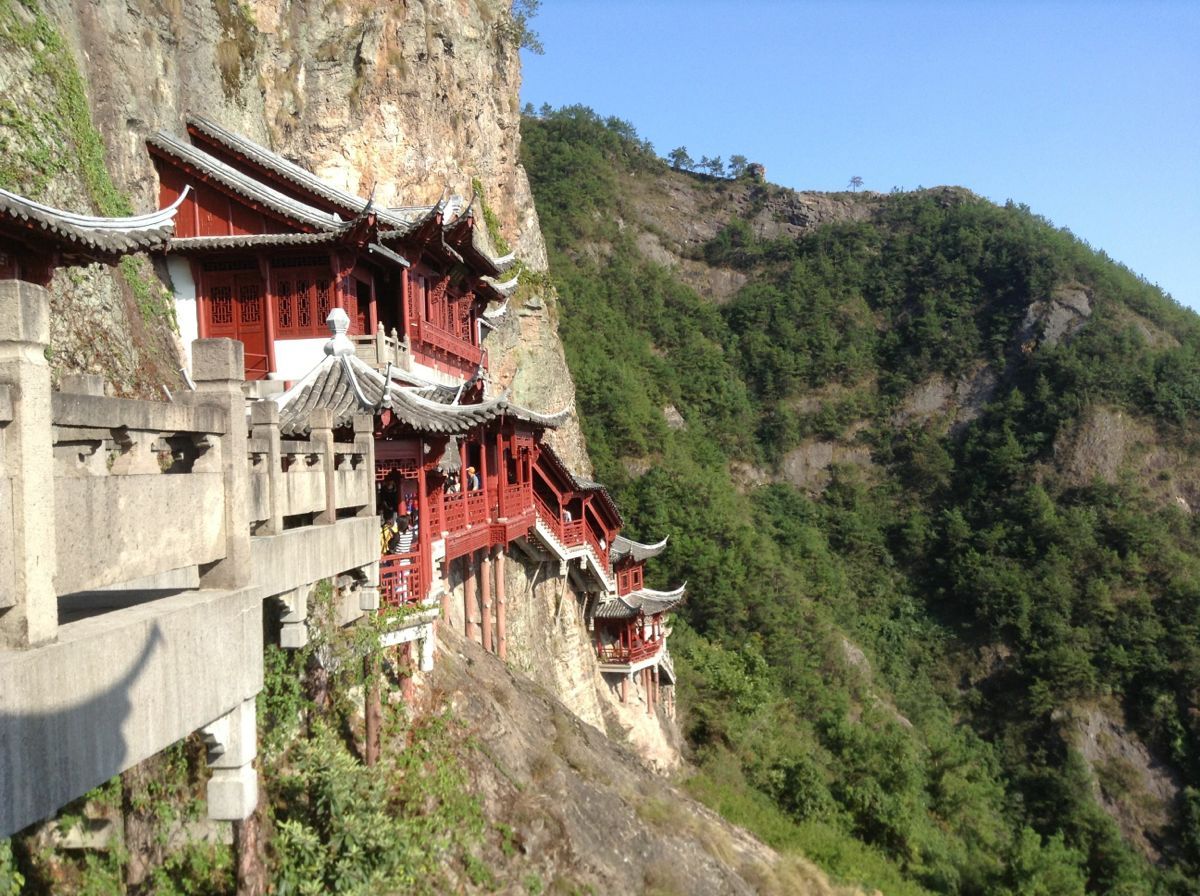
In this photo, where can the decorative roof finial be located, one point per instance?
(339, 323)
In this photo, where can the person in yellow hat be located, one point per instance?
(472, 480)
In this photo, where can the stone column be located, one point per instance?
(218, 367)
(232, 745)
(625, 687)
(321, 438)
(28, 603)
(501, 608)
(485, 583)
(264, 421)
(364, 443)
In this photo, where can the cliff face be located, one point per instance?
(414, 100)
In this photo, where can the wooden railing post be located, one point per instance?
(321, 436)
(28, 603)
(264, 420)
(218, 367)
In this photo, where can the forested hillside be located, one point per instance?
(928, 465)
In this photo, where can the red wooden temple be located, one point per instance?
(266, 252)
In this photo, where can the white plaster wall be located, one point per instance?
(296, 357)
(185, 305)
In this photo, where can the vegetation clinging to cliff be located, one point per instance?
(948, 547)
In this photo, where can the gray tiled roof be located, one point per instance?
(246, 186)
(647, 601)
(252, 241)
(87, 235)
(347, 386)
(397, 221)
(583, 485)
(623, 547)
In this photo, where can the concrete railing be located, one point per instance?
(134, 481)
(151, 504)
(294, 480)
(381, 349)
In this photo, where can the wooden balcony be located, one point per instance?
(623, 654)
(400, 580)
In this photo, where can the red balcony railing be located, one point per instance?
(400, 577)
(434, 336)
(517, 498)
(621, 653)
(454, 513)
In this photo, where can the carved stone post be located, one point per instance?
(364, 444)
(264, 419)
(321, 439)
(28, 603)
(218, 367)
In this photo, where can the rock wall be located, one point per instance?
(415, 100)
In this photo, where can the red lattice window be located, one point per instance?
(251, 306)
(303, 305)
(324, 300)
(404, 468)
(287, 306)
(222, 305)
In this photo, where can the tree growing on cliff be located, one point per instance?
(680, 159)
(517, 29)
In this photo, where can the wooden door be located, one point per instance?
(251, 325)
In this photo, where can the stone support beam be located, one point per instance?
(232, 742)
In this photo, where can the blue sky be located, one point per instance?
(1087, 112)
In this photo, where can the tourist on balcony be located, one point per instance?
(452, 484)
(402, 542)
(391, 528)
(472, 480)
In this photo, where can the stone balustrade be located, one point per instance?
(138, 543)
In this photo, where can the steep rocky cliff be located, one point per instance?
(410, 101)
(414, 100)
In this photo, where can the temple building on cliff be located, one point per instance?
(336, 373)
(265, 252)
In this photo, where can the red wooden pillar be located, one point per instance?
(202, 306)
(269, 312)
(469, 624)
(485, 581)
(501, 475)
(501, 609)
(373, 310)
(462, 478)
(425, 558)
(483, 476)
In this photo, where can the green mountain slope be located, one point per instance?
(928, 466)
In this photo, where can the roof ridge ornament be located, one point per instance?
(339, 343)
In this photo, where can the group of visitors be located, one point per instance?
(454, 484)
